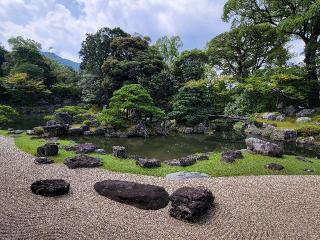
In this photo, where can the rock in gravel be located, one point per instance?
(186, 175)
(274, 166)
(43, 160)
(263, 147)
(50, 188)
(82, 161)
(231, 156)
(49, 149)
(85, 148)
(142, 196)
(148, 163)
(188, 203)
(119, 152)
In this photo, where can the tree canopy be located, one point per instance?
(300, 19)
(245, 49)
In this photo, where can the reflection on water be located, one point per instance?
(26, 122)
(165, 147)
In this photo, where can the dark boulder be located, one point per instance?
(56, 130)
(183, 162)
(85, 148)
(75, 131)
(50, 188)
(190, 204)
(43, 160)
(49, 149)
(263, 147)
(85, 128)
(274, 166)
(231, 156)
(63, 118)
(148, 197)
(82, 161)
(148, 163)
(99, 131)
(119, 152)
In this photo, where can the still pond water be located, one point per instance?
(165, 147)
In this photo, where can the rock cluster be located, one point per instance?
(188, 160)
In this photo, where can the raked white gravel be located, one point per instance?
(267, 207)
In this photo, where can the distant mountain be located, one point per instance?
(63, 61)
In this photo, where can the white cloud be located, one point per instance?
(54, 25)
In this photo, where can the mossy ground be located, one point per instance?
(252, 164)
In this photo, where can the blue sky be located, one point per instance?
(62, 24)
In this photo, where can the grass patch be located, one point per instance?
(251, 164)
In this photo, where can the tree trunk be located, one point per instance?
(311, 72)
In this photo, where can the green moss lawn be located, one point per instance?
(251, 164)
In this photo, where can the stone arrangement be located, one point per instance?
(50, 188)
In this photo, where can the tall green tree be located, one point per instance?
(298, 18)
(26, 57)
(131, 61)
(246, 49)
(96, 48)
(169, 48)
(192, 104)
(3, 53)
(190, 65)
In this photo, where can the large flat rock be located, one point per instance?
(142, 196)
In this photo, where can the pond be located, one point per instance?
(26, 122)
(165, 147)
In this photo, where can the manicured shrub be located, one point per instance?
(38, 130)
(48, 117)
(7, 114)
(79, 118)
(87, 123)
(73, 110)
(307, 131)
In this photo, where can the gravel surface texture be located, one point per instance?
(268, 207)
